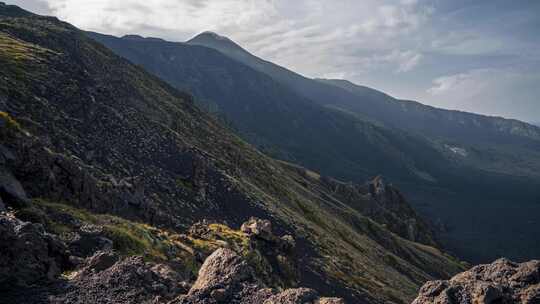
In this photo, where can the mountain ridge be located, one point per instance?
(325, 95)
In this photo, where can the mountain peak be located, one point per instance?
(216, 41)
(212, 35)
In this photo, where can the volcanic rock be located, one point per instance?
(502, 282)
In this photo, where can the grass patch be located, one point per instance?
(129, 238)
(185, 183)
(16, 50)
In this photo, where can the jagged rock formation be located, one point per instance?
(385, 204)
(502, 282)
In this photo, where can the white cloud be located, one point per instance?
(496, 91)
(408, 60)
(279, 30)
(468, 43)
(445, 84)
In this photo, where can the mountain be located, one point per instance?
(275, 118)
(459, 184)
(96, 155)
(481, 138)
(485, 137)
(377, 105)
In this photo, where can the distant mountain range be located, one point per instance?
(376, 105)
(459, 168)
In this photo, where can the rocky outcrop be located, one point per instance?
(273, 256)
(502, 282)
(226, 278)
(258, 227)
(11, 190)
(128, 281)
(386, 205)
(28, 254)
(87, 240)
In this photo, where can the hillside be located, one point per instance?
(483, 138)
(89, 139)
(378, 106)
(278, 120)
(479, 139)
(459, 186)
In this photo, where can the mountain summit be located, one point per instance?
(222, 43)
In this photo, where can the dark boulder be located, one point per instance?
(502, 282)
(11, 191)
(88, 240)
(28, 255)
(225, 277)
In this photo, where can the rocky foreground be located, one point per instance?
(502, 282)
(226, 278)
(40, 267)
(33, 266)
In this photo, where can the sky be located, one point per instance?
(481, 56)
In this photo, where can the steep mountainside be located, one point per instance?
(377, 105)
(458, 186)
(476, 140)
(278, 120)
(483, 138)
(84, 132)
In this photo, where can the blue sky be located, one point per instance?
(472, 55)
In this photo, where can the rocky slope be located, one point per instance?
(446, 162)
(104, 155)
(501, 282)
(32, 261)
(275, 118)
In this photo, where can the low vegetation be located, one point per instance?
(7, 122)
(129, 237)
(132, 238)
